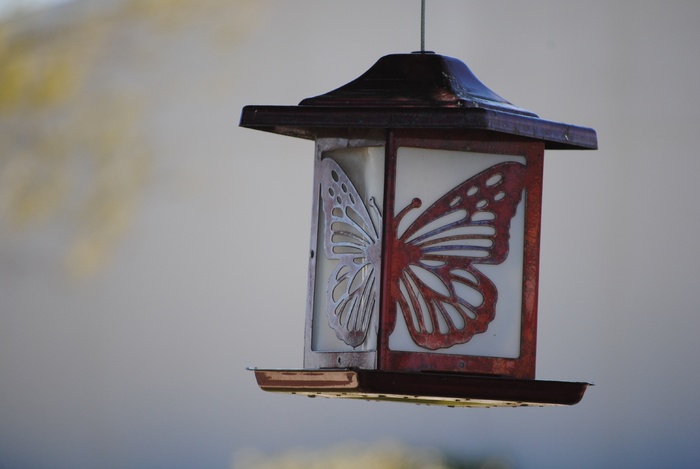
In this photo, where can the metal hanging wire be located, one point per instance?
(422, 26)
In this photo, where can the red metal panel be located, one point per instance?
(397, 256)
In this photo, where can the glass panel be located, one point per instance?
(460, 231)
(348, 262)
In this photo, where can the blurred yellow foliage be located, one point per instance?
(75, 155)
(382, 455)
(71, 152)
(34, 74)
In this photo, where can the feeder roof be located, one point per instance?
(415, 91)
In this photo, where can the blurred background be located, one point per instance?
(151, 250)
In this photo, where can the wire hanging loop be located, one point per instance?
(422, 26)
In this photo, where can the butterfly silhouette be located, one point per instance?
(352, 238)
(443, 297)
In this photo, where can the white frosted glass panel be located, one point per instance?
(361, 172)
(428, 175)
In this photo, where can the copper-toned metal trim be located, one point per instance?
(422, 388)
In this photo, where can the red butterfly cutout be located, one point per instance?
(444, 298)
(433, 259)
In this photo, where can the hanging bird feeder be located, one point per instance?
(424, 253)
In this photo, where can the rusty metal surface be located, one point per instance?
(396, 257)
(418, 91)
(422, 388)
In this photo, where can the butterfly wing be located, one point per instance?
(352, 239)
(444, 298)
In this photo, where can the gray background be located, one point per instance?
(151, 250)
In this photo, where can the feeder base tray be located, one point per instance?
(430, 388)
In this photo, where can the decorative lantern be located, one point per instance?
(424, 256)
